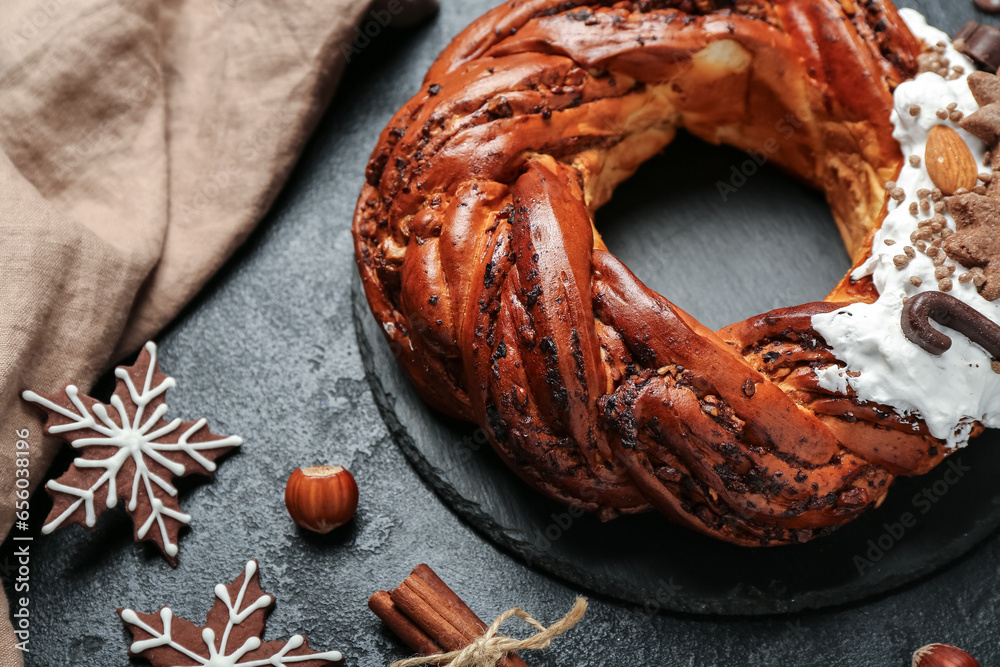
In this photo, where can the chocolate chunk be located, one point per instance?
(981, 43)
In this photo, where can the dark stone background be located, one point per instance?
(269, 352)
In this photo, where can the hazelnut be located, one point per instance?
(321, 498)
(942, 655)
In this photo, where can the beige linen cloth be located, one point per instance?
(140, 142)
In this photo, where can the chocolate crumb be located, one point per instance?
(889, 242)
(942, 114)
(910, 252)
(937, 195)
(940, 259)
(923, 193)
(914, 160)
(916, 281)
(939, 207)
(995, 365)
(965, 278)
(979, 189)
(920, 246)
(925, 205)
(956, 116)
(945, 285)
(952, 106)
(898, 194)
(901, 261)
(986, 177)
(915, 110)
(914, 209)
(941, 272)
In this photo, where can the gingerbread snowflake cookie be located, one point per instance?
(231, 636)
(128, 449)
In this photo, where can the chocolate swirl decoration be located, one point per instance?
(476, 245)
(947, 311)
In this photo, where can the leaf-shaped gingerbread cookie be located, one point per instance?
(128, 450)
(231, 636)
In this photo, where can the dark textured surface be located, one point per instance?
(270, 353)
(924, 524)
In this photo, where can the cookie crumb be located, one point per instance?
(901, 261)
(978, 276)
(915, 110)
(945, 285)
(916, 281)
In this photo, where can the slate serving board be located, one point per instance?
(724, 238)
(269, 351)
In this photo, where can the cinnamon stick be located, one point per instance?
(429, 617)
(432, 621)
(411, 635)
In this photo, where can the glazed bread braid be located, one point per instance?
(477, 249)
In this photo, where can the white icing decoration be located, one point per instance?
(218, 656)
(135, 440)
(951, 391)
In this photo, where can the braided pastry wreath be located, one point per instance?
(477, 249)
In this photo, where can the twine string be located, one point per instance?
(489, 648)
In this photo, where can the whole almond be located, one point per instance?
(949, 161)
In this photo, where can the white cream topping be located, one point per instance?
(951, 391)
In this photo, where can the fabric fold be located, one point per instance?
(140, 143)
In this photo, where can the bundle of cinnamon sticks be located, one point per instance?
(429, 617)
